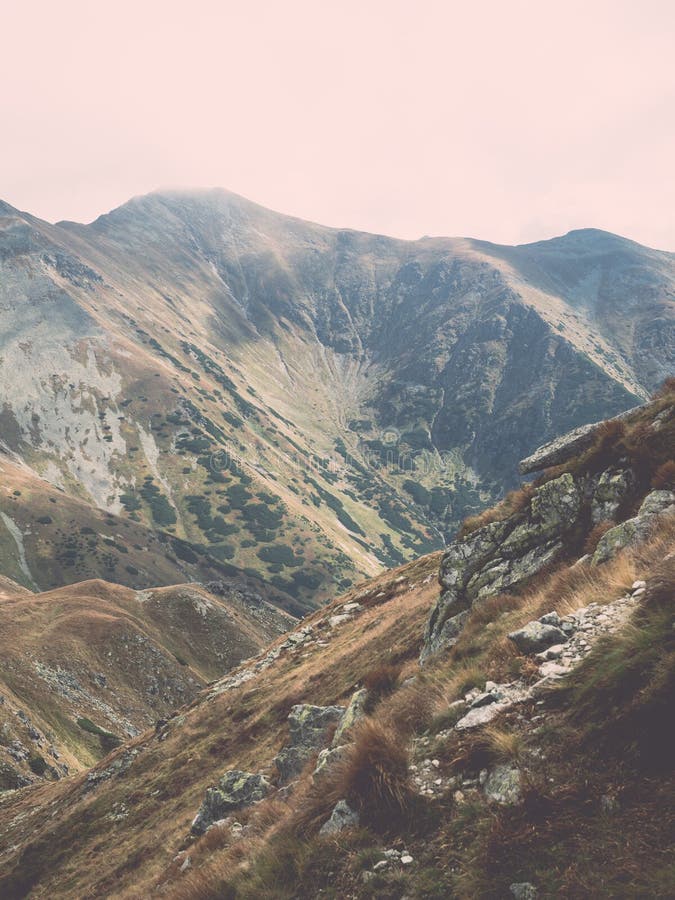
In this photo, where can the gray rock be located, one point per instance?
(500, 556)
(308, 728)
(611, 490)
(235, 790)
(535, 637)
(523, 890)
(637, 529)
(485, 699)
(343, 816)
(504, 785)
(327, 759)
(656, 503)
(354, 711)
(551, 618)
(568, 445)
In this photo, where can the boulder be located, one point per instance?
(327, 759)
(504, 785)
(637, 529)
(343, 816)
(308, 729)
(536, 636)
(355, 710)
(235, 790)
(612, 488)
(523, 890)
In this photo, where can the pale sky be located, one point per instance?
(508, 120)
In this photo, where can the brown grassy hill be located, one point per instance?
(87, 666)
(9, 588)
(170, 770)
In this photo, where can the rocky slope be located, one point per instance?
(528, 757)
(610, 470)
(307, 403)
(85, 667)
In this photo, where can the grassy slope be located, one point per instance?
(64, 540)
(243, 727)
(118, 658)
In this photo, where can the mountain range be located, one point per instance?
(195, 388)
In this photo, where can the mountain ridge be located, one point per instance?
(376, 390)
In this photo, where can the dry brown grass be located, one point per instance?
(661, 584)
(380, 682)
(664, 477)
(374, 777)
(515, 502)
(506, 746)
(411, 707)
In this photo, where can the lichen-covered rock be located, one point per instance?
(536, 636)
(441, 637)
(523, 890)
(611, 490)
(504, 785)
(500, 556)
(656, 503)
(235, 790)
(308, 729)
(343, 816)
(355, 711)
(326, 759)
(637, 529)
(556, 505)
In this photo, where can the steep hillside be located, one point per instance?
(528, 756)
(49, 538)
(307, 403)
(90, 665)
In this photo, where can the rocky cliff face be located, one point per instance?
(553, 520)
(241, 380)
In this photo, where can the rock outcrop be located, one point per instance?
(333, 754)
(343, 816)
(552, 524)
(633, 530)
(308, 730)
(502, 555)
(235, 790)
(567, 446)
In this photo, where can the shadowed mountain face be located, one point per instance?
(304, 403)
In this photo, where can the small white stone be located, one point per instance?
(435, 763)
(639, 584)
(406, 859)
